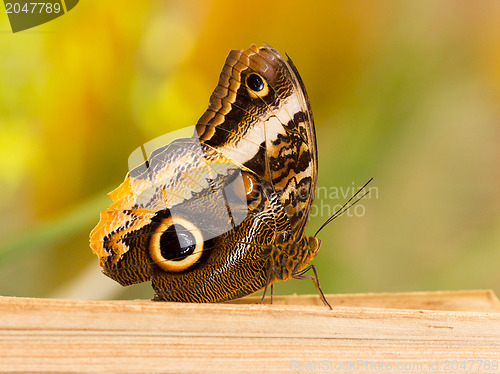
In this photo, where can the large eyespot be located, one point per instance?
(176, 244)
(256, 85)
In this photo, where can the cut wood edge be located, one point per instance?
(466, 300)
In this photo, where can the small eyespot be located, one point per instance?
(176, 244)
(255, 83)
(252, 189)
(251, 186)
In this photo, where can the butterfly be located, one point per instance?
(222, 214)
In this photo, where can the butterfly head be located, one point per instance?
(314, 244)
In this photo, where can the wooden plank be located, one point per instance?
(469, 300)
(53, 335)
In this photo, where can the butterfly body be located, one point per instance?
(222, 214)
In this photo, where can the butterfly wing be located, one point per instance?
(201, 235)
(200, 216)
(267, 127)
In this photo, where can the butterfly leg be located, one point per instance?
(315, 279)
(268, 280)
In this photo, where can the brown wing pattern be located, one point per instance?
(271, 131)
(201, 216)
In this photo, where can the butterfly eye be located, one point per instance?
(257, 86)
(176, 244)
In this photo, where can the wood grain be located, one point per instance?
(372, 332)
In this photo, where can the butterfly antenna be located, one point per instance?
(346, 206)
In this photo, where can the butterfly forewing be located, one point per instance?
(270, 131)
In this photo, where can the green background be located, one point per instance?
(405, 92)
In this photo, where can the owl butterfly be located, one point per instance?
(222, 214)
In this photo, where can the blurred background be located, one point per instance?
(405, 92)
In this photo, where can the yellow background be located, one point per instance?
(405, 92)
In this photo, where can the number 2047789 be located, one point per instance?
(39, 8)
